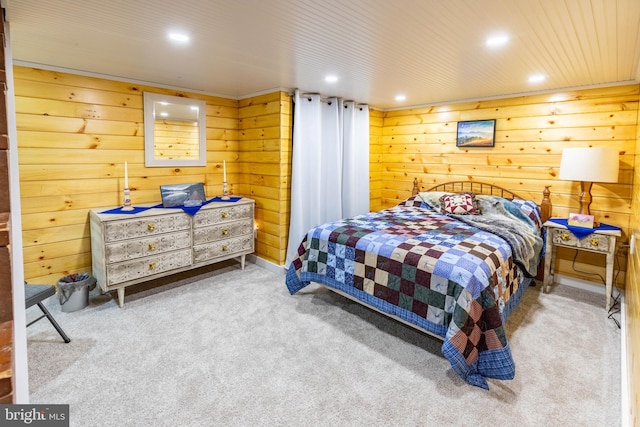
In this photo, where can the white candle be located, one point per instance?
(126, 176)
(224, 171)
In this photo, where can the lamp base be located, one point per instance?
(585, 197)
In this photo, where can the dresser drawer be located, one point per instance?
(147, 246)
(143, 267)
(222, 231)
(593, 242)
(205, 218)
(133, 228)
(223, 248)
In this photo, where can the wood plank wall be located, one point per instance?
(531, 132)
(632, 298)
(62, 118)
(74, 135)
(265, 152)
(375, 159)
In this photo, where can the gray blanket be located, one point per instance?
(502, 218)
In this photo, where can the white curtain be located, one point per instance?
(355, 160)
(330, 164)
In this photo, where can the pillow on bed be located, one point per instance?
(432, 198)
(463, 203)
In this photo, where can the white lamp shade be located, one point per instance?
(590, 164)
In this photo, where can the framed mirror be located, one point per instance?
(174, 131)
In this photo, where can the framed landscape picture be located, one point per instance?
(476, 133)
(175, 195)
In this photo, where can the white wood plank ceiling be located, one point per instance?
(432, 51)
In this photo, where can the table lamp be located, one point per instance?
(589, 165)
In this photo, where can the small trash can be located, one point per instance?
(73, 291)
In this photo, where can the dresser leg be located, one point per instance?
(120, 297)
(242, 261)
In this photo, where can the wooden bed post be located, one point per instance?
(545, 205)
(416, 189)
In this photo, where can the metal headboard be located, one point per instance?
(490, 189)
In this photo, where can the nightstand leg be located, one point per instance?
(609, 279)
(549, 262)
(547, 273)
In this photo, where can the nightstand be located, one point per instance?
(602, 240)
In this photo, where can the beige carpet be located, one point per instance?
(233, 348)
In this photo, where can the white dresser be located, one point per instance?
(133, 248)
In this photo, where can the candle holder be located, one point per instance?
(127, 201)
(225, 191)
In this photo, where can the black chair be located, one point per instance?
(35, 294)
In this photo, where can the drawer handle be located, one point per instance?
(152, 266)
(151, 226)
(564, 236)
(152, 246)
(594, 242)
(225, 248)
(225, 232)
(225, 214)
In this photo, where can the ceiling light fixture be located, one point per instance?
(497, 41)
(178, 37)
(331, 79)
(536, 78)
(401, 97)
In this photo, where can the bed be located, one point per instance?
(452, 261)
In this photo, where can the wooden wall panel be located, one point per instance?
(632, 298)
(531, 132)
(375, 159)
(265, 157)
(74, 135)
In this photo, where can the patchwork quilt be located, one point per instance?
(432, 270)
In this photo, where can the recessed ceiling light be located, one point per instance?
(331, 79)
(536, 78)
(401, 97)
(496, 41)
(178, 37)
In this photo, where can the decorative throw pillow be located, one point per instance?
(460, 204)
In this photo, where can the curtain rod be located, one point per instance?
(327, 99)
